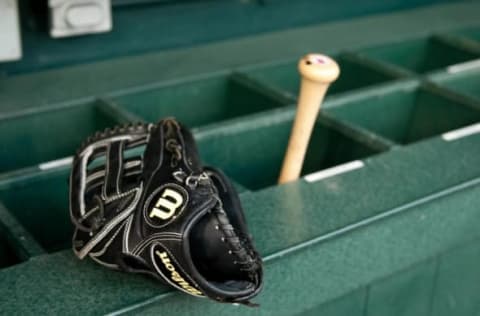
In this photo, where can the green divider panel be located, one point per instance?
(407, 114)
(199, 102)
(38, 137)
(471, 33)
(8, 256)
(17, 242)
(464, 82)
(40, 204)
(422, 55)
(354, 75)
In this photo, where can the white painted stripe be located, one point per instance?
(473, 64)
(462, 132)
(323, 174)
(55, 163)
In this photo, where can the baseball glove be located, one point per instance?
(142, 202)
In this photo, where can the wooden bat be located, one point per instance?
(318, 72)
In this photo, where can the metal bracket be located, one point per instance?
(79, 17)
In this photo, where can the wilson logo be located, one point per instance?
(171, 271)
(165, 204)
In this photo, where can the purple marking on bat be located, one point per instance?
(319, 60)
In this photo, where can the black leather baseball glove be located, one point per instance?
(141, 201)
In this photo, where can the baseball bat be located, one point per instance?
(317, 72)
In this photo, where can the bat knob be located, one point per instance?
(318, 68)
